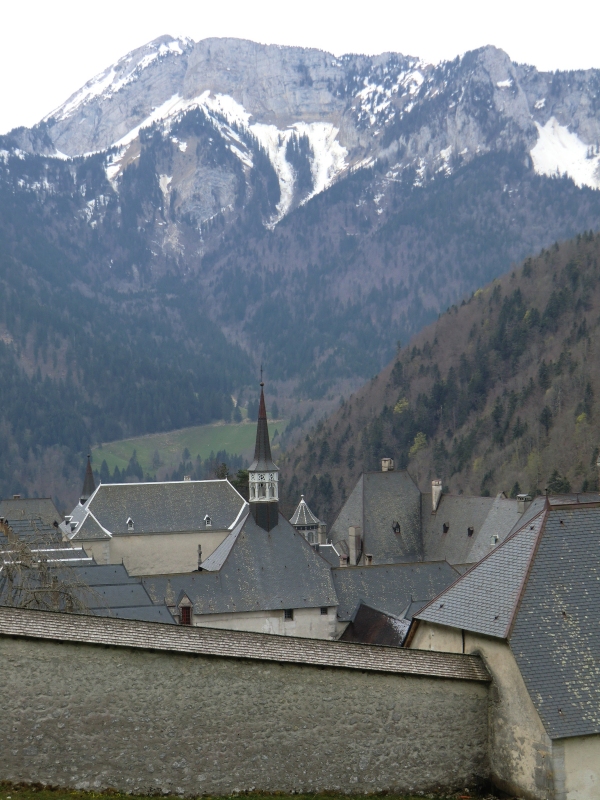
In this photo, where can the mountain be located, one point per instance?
(501, 393)
(200, 208)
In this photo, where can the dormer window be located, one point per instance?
(396, 527)
(186, 615)
(470, 530)
(446, 527)
(129, 524)
(207, 521)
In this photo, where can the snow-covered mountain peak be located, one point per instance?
(125, 71)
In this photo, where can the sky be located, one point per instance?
(50, 49)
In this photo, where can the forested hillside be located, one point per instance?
(501, 393)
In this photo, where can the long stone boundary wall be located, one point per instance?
(96, 703)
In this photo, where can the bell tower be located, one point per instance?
(263, 474)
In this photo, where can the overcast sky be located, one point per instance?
(49, 49)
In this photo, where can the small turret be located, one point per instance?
(263, 474)
(89, 484)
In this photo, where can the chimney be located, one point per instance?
(436, 495)
(368, 559)
(187, 477)
(355, 544)
(523, 501)
(387, 464)
(343, 560)
(322, 533)
(16, 496)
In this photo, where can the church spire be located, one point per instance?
(89, 484)
(263, 473)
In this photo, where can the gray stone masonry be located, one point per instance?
(92, 717)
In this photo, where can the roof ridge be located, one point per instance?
(485, 558)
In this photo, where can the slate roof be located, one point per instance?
(556, 635)
(115, 593)
(262, 571)
(166, 507)
(371, 626)
(263, 461)
(30, 508)
(457, 513)
(378, 500)
(329, 553)
(89, 484)
(390, 587)
(34, 531)
(540, 590)
(484, 599)
(238, 644)
(303, 516)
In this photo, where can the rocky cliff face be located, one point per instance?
(319, 117)
(219, 204)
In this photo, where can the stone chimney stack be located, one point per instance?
(523, 501)
(387, 464)
(355, 544)
(322, 533)
(436, 494)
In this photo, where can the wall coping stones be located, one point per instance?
(17, 622)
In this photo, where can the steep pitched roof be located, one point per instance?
(540, 590)
(484, 599)
(379, 500)
(371, 626)
(89, 484)
(262, 571)
(556, 635)
(303, 516)
(446, 531)
(391, 588)
(30, 508)
(263, 461)
(165, 507)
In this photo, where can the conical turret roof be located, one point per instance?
(263, 461)
(89, 484)
(303, 515)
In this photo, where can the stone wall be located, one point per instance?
(91, 716)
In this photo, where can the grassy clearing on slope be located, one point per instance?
(8, 792)
(202, 440)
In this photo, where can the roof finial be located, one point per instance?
(261, 376)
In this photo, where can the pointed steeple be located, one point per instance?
(263, 474)
(262, 448)
(89, 484)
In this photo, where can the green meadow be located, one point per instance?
(201, 440)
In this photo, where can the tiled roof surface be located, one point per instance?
(163, 507)
(303, 515)
(503, 516)
(390, 497)
(484, 599)
(29, 508)
(33, 530)
(237, 644)
(262, 571)
(390, 587)
(457, 514)
(371, 626)
(556, 635)
(89, 530)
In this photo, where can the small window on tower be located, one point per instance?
(288, 613)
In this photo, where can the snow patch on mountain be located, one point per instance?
(558, 151)
(113, 79)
